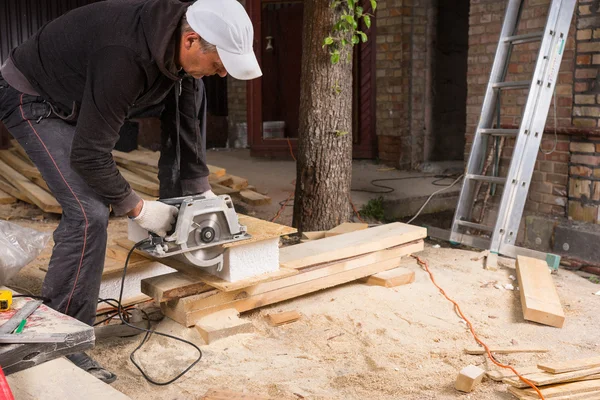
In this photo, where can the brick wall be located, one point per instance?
(584, 171)
(548, 190)
(401, 80)
(236, 103)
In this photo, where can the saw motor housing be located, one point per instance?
(203, 225)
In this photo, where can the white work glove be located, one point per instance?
(157, 217)
(209, 194)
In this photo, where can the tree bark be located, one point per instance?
(324, 162)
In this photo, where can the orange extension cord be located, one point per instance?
(425, 265)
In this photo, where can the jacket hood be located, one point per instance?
(160, 22)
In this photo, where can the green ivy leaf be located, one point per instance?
(363, 36)
(341, 133)
(328, 40)
(373, 4)
(359, 11)
(367, 20)
(351, 4)
(355, 39)
(344, 42)
(349, 19)
(335, 57)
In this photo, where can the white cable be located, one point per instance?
(431, 196)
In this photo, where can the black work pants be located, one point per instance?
(74, 274)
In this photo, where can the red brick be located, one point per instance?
(585, 159)
(556, 178)
(586, 59)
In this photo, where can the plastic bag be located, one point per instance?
(18, 247)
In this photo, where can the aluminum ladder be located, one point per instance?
(502, 236)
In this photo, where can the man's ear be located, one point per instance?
(189, 38)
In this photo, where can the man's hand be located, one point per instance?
(156, 217)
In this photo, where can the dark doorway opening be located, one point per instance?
(449, 83)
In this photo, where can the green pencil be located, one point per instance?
(21, 326)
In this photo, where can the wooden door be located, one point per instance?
(276, 95)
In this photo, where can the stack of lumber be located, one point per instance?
(21, 180)
(573, 379)
(186, 296)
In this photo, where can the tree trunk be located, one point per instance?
(324, 162)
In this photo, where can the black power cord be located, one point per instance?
(120, 310)
(389, 189)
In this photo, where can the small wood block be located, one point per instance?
(539, 298)
(560, 367)
(6, 198)
(346, 227)
(237, 183)
(505, 350)
(392, 278)
(283, 318)
(481, 255)
(253, 198)
(214, 394)
(220, 189)
(224, 180)
(216, 171)
(316, 235)
(468, 378)
(491, 262)
(172, 286)
(222, 324)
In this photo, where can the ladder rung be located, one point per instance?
(511, 85)
(500, 132)
(486, 178)
(525, 38)
(474, 225)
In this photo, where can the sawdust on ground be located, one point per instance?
(356, 341)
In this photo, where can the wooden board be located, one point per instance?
(172, 286)
(260, 230)
(559, 367)
(13, 191)
(189, 309)
(220, 189)
(60, 379)
(222, 324)
(139, 159)
(546, 378)
(349, 245)
(216, 171)
(18, 164)
(41, 183)
(316, 235)
(539, 298)
(505, 350)
(253, 198)
(498, 375)
(38, 196)
(6, 198)
(214, 394)
(44, 320)
(138, 183)
(392, 278)
(581, 396)
(209, 279)
(112, 266)
(237, 183)
(143, 173)
(283, 318)
(346, 227)
(563, 389)
(224, 180)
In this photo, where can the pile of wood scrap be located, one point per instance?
(187, 296)
(21, 180)
(573, 379)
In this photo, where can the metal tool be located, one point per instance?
(24, 312)
(501, 237)
(203, 226)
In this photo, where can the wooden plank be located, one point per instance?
(316, 235)
(505, 350)
(13, 191)
(39, 196)
(139, 159)
(220, 189)
(392, 278)
(581, 396)
(215, 297)
(253, 198)
(172, 286)
(209, 279)
(224, 180)
(19, 165)
(559, 367)
(222, 324)
(498, 375)
(539, 298)
(138, 183)
(112, 266)
(468, 378)
(143, 173)
(349, 245)
(6, 198)
(283, 318)
(346, 227)
(216, 171)
(562, 389)
(178, 311)
(214, 394)
(41, 183)
(546, 378)
(119, 253)
(260, 230)
(237, 183)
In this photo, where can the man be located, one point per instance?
(65, 93)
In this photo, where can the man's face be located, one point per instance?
(197, 63)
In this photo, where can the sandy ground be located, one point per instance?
(357, 341)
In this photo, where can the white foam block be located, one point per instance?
(111, 284)
(247, 260)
